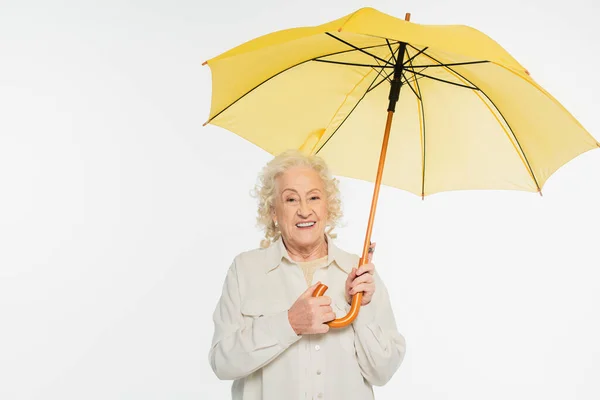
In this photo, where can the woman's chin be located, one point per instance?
(307, 237)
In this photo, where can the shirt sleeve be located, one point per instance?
(241, 347)
(380, 348)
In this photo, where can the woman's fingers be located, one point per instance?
(362, 287)
(370, 268)
(365, 278)
(328, 316)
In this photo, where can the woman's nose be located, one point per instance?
(304, 211)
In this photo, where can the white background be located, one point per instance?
(120, 213)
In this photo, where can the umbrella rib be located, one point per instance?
(353, 64)
(378, 75)
(342, 123)
(409, 61)
(409, 85)
(356, 105)
(422, 129)
(387, 77)
(281, 72)
(443, 80)
(450, 64)
(391, 50)
(358, 48)
(392, 57)
(414, 78)
(524, 158)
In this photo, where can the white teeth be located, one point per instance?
(305, 224)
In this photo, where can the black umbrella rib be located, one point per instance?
(387, 77)
(391, 50)
(442, 80)
(414, 77)
(342, 123)
(358, 48)
(409, 61)
(499, 112)
(420, 51)
(353, 64)
(284, 70)
(410, 86)
(383, 80)
(356, 105)
(420, 97)
(355, 49)
(450, 64)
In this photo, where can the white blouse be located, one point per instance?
(255, 346)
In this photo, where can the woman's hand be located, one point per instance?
(309, 315)
(361, 280)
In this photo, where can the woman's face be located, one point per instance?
(300, 207)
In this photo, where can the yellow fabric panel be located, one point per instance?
(285, 113)
(547, 133)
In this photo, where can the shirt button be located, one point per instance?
(320, 395)
(317, 348)
(318, 372)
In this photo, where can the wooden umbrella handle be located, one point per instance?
(352, 314)
(357, 298)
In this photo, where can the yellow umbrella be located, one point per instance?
(471, 116)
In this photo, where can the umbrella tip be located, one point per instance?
(527, 72)
(206, 123)
(422, 196)
(407, 17)
(540, 191)
(204, 63)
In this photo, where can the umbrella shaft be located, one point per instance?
(397, 81)
(393, 97)
(384, 145)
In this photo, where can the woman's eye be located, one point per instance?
(290, 200)
(315, 198)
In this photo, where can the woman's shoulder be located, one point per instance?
(256, 258)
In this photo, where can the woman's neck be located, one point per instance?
(308, 253)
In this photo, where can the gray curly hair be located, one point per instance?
(264, 191)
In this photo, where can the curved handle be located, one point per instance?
(352, 314)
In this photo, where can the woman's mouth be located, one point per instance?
(305, 225)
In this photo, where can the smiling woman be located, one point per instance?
(275, 179)
(271, 334)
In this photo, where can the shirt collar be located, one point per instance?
(276, 252)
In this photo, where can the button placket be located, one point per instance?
(318, 368)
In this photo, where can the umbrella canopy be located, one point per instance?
(469, 116)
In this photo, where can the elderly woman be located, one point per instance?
(271, 336)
